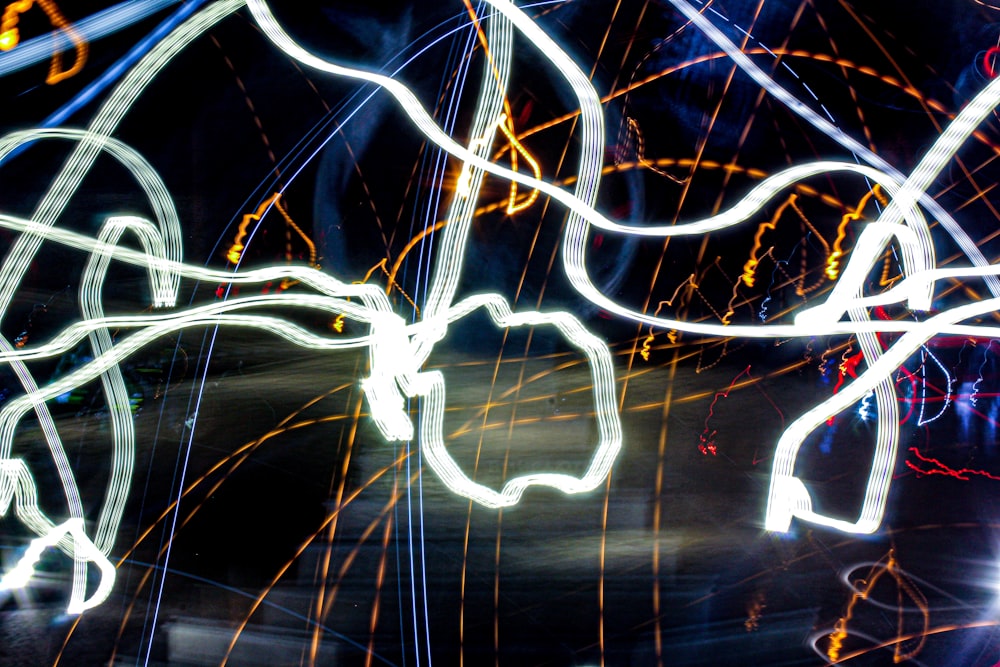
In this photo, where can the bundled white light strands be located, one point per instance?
(84, 550)
(788, 496)
(398, 350)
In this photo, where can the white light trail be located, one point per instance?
(72, 530)
(924, 353)
(788, 495)
(905, 192)
(921, 177)
(166, 239)
(398, 350)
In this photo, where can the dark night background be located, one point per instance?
(331, 545)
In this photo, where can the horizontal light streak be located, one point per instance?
(398, 350)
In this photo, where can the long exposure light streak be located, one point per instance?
(398, 350)
(902, 190)
(939, 468)
(862, 591)
(788, 497)
(10, 37)
(395, 359)
(94, 27)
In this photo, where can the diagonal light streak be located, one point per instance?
(398, 350)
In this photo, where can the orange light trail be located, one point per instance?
(833, 262)
(887, 565)
(333, 516)
(661, 449)
(506, 126)
(513, 399)
(932, 105)
(751, 264)
(10, 37)
(391, 275)
(288, 282)
(237, 457)
(913, 636)
(235, 253)
(250, 106)
(323, 604)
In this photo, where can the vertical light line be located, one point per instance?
(424, 273)
(180, 491)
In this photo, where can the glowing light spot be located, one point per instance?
(9, 39)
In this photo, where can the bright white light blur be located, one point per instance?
(398, 350)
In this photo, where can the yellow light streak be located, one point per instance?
(278, 204)
(750, 267)
(646, 343)
(833, 261)
(330, 518)
(931, 104)
(398, 349)
(235, 253)
(751, 264)
(391, 276)
(672, 335)
(513, 206)
(506, 122)
(632, 130)
(887, 565)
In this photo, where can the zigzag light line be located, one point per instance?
(847, 297)
(395, 361)
(398, 349)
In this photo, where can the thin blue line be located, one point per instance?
(180, 491)
(105, 22)
(232, 589)
(123, 64)
(155, 442)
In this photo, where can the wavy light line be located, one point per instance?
(398, 350)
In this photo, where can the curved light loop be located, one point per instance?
(399, 349)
